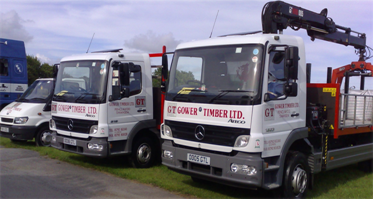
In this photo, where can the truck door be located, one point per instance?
(281, 113)
(125, 113)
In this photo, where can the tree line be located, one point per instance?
(37, 70)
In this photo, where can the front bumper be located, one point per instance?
(219, 168)
(18, 132)
(81, 146)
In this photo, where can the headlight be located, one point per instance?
(95, 147)
(242, 141)
(234, 168)
(20, 120)
(167, 131)
(94, 129)
(243, 169)
(52, 124)
(168, 154)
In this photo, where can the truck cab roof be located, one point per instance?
(240, 39)
(106, 56)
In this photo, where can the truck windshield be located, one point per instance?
(219, 74)
(81, 81)
(39, 92)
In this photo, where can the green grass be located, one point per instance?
(346, 182)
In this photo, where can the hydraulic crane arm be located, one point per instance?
(278, 15)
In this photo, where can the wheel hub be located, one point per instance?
(299, 180)
(144, 153)
(46, 137)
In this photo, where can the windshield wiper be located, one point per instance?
(236, 91)
(83, 95)
(59, 98)
(21, 100)
(224, 92)
(37, 98)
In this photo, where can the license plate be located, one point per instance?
(69, 141)
(5, 129)
(198, 159)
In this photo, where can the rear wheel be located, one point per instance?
(143, 153)
(43, 136)
(297, 175)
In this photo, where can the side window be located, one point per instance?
(276, 81)
(4, 67)
(135, 83)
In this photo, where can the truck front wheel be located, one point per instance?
(297, 175)
(42, 136)
(143, 153)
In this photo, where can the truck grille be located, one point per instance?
(7, 120)
(79, 126)
(219, 135)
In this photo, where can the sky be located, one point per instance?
(53, 29)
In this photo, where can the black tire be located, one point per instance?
(143, 153)
(296, 177)
(366, 166)
(43, 131)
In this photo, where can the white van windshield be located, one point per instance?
(39, 91)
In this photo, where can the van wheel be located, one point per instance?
(43, 137)
(296, 176)
(143, 153)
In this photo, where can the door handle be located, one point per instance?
(141, 110)
(295, 115)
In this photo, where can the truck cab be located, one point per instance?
(221, 98)
(28, 116)
(103, 106)
(239, 111)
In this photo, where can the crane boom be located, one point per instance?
(278, 15)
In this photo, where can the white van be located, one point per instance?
(28, 116)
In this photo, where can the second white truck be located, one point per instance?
(104, 104)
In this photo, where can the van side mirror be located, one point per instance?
(291, 63)
(164, 72)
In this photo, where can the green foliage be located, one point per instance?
(345, 182)
(157, 81)
(183, 77)
(37, 70)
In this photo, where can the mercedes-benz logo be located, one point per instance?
(199, 132)
(70, 124)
